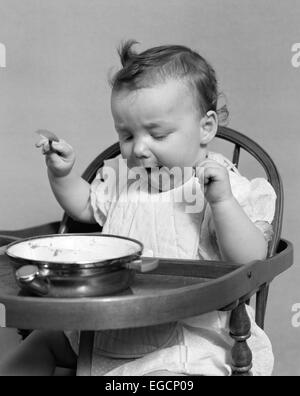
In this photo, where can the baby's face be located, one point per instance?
(158, 126)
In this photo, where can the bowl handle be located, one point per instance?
(30, 277)
(144, 264)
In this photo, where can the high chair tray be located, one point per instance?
(177, 289)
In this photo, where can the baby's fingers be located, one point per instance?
(62, 148)
(41, 142)
(213, 174)
(204, 168)
(206, 163)
(45, 145)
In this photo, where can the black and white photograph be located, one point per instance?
(149, 173)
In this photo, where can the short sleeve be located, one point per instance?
(258, 199)
(103, 189)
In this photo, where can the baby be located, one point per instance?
(164, 106)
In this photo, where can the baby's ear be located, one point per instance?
(208, 127)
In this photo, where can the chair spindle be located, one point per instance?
(236, 155)
(240, 331)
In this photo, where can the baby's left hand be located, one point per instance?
(216, 181)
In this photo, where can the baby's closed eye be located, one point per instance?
(160, 137)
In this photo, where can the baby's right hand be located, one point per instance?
(60, 156)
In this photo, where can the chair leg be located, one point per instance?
(240, 331)
(261, 306)
(85, 357)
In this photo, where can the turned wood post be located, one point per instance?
(240, 331)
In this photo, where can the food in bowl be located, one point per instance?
(74, 249)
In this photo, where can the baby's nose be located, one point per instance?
(140, 149)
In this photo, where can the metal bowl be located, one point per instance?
(77, 265)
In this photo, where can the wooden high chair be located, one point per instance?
(182, 287)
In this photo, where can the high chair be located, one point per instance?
(184, 284)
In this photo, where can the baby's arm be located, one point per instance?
(73, 195)
(70, 190)
(238, 238)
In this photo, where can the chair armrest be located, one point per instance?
(44, 229)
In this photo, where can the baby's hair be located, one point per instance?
(158, 64)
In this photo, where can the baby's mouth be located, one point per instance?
(151, 169)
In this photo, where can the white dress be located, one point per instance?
(175, 223)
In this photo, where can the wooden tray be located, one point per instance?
(177, 289)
